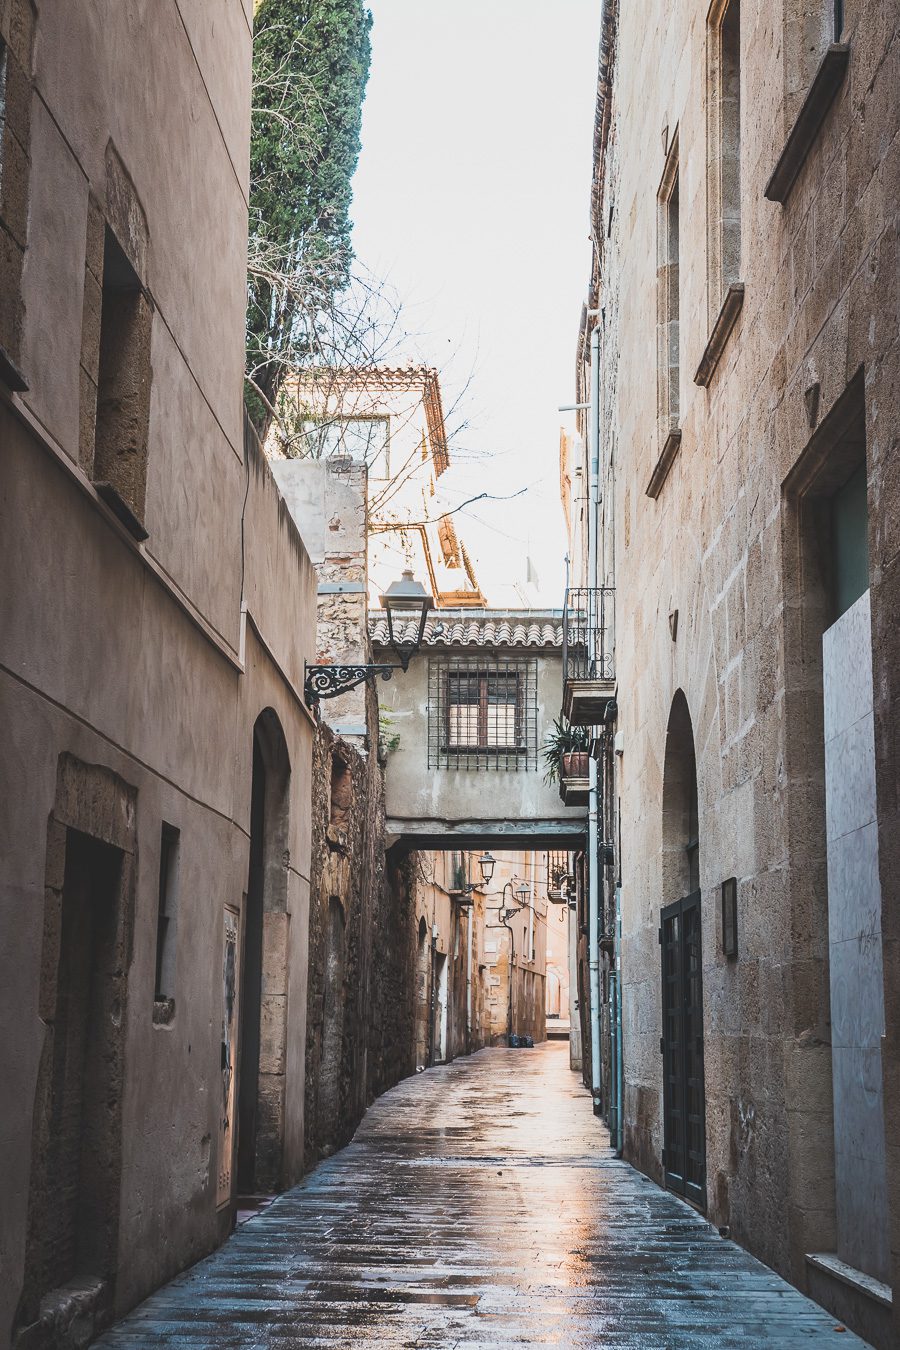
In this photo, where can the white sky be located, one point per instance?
(472, 199)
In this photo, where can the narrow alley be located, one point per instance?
(477, 1205)
(450, 673)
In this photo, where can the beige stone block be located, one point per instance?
(50, 948)
(55, 865)
(123, 406)
(874, 296)
(809, 1000)
(95, 234)
(276, 933)
(90, 326)
(125, 213)
(11, 312)
(272, 1033)
(18, 99)
(807, 1076)
(14, 202)
(270, 1130)
(87, 420)
(21, 31)
(811, 1157)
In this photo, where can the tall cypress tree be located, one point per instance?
(310, 67)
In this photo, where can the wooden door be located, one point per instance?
(684, 1102)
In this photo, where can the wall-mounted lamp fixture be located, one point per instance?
(406, 603)
(487, 862)
(522, 893)
(729, 918)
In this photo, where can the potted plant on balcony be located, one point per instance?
(566, 751)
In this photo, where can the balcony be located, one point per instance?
(589, 683)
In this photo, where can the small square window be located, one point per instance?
(482, 716)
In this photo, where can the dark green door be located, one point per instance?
(684, 1103)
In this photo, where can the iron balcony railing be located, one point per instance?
(588, 620)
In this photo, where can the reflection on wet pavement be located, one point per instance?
(478, 1205)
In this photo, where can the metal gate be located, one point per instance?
(684, 1109)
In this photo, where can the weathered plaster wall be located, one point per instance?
(719, 547)
(138, 658)
(450, 797)
(327, 499)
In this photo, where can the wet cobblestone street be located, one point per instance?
(479, 1206)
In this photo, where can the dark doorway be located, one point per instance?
(251, 993)
(423, 954)
(261, 1077)
(684, 1102)
(73, 1201)
(439, 1033)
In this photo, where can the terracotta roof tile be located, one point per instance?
(474, 628)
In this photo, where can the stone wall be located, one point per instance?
(392, 1023)
(347, 882)
(143, 651)
(718, 544)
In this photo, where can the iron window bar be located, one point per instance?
(482, 714)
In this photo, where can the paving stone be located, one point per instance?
(479, 1205)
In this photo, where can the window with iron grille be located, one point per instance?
(482, 714)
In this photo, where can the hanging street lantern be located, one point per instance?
(487, 862)
(407, 604)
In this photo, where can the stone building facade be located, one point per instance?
(470, 718)
(158, 605)
(514, 919)
(347, 877)
(744, 218)
(390, 421)
(363, 935)
(361, 993)
(467, 955)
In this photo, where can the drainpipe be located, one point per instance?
(594, 794)
(619, 1143)
(432, 1001)
(512, 961)
(470, 926)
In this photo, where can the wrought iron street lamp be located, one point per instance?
(522, 891)
(487, 862)
(407, 604)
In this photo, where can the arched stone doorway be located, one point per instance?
(261, 1074)
(684, 1102)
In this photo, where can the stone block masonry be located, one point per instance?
(744, 546)
(451, 1221)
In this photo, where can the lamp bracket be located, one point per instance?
(463, 893)
(331, 681)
